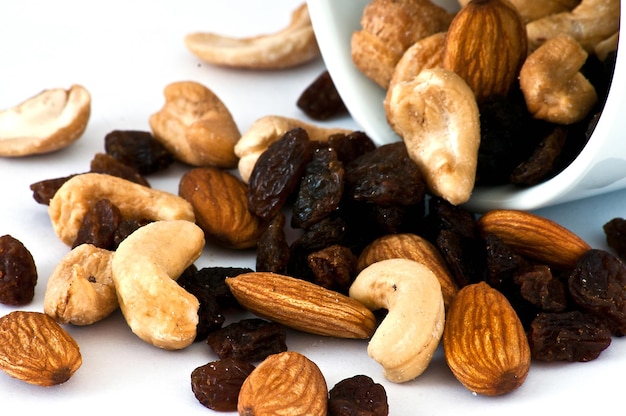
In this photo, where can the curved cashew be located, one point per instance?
(407, 338)
(553, 86)
(423, 54)
(145, 266)
(589, 23)
(292, 46)
(49, 121)
(80, 290)
(437, 117)
(196, 126)
(75, 198)
(266, 131)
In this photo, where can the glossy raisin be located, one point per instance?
(249, 340)
(105, 163)
(43, 191)
(216, 385)
(464, 256)
(320, 100)
(320, 190)
(541, 163)
(125, 228)
(211, 281)
(358, 396)
(99, 225)
(333, 267)
(615, 232)
(18, 272)
(138, 149)
(568, 336)
(277, 172)
(541, 288)
(598, 285)
(210, 316)
(502, 263)
(273, 250)
(350, 146)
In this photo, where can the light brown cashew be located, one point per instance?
(437, 117)
(292, 46)
(196, 126)
(266, 131)
(553, 86)
(49, 121)
(75, 198)
(605, 47)
(145, 266)
(589, 23)
(80, 290)
(405, 341)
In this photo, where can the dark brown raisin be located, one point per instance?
(105, 163)
(210, 317)
(358, 396)
(350, 146)
(320, 100)
(541, 163)
(598, 285)
(126, 228)
(138, 149)
(217, 384)
(277, 172)
(568, 336)
(464, 256)
(18, 273)
(249, 339)
(272, 248)
(43, 191)
(99, 225)
(320, 190)
(211, 281)
(541, 288)
(502, 263)
(615, 232)
(442, 215)
(334, 267)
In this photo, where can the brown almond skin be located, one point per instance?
(484, 341)
(36, 349)
(221, 207)
(302, 305)
(286, 383)
(535, 237)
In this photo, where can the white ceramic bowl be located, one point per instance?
(600, 167)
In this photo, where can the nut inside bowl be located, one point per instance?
(599, 168)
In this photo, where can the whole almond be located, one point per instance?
(36, 349)
(221, 207)
(302, 305)
(287, 383)
(484, 341)
(535, 237)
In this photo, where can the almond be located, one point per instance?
(220, 205)
(36, 349)
(484, 341)
(302, 305)
(287, 383)
(486, 45)
(535, 237)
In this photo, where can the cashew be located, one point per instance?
(553, 86)
(425, 53)
(437, 117)
(532, 9)
(292, 46)
(196, 126)
(605, 47)
(589, 23)
(75, 198)
(145, 264)
(49, 121)
(266, 131)
(80, 290)
(405, 341)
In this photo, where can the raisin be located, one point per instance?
(464, 256)
(598, 285)
(502, 263)
(320, 190)
(211, 281)
(105, 163)
(18, 273)
(350, 146)
(568, 336)
(615, 232)
(216, 385)
(320, 100)
(539, 287)
(125, 228)
(272, 248)
(249, 339)
(43, 191)
(99, 225)
(277, 172)
(210, 317)
(138, 149)
(442, 215)
(541, 163)
(358, 396)
(334, 267)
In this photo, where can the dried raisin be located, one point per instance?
(138, 149)
(105, 163)
(18, 273)
(249, 340)
(615, 231)
(320, 100)
(99, 226)
(334, 267)
(273, 250)
(358, 396)
(216, 385)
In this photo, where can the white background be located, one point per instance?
(124, 53)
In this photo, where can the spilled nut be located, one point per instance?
(406, 339)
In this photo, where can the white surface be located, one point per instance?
(125, 53)
(600, 168)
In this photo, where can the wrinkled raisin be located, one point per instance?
(211, 281)
(43, 191)
(320, 100)
(464, 256)
(502, 262)
(18, 273)
(350, 146)
(615, 232)
(272, 248)
(598, 285)
(542, 162)
(217, 384)
(358, 396)
(539, 287)
(334, 267)
(320, 190)
(125, 228)
(249, 339)
(568, 336)
(105, 163)
(99, 225)
(210, 317)
(138, 149)
(277, 172)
